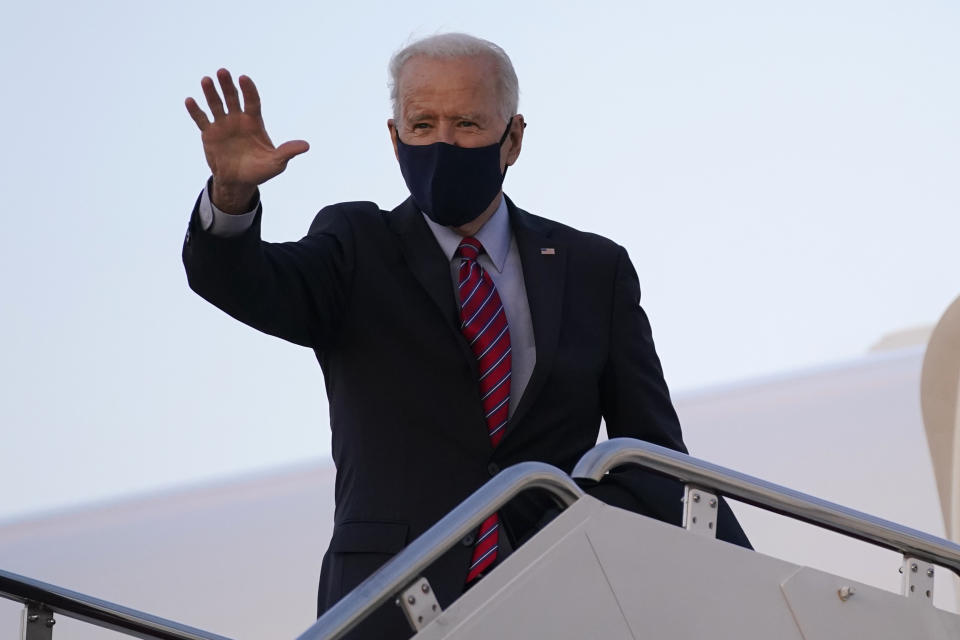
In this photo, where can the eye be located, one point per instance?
(466, 123)
(420, 126)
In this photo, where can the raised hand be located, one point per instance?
(238, 149)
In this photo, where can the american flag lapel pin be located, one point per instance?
(548, 251)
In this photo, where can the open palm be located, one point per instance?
(237, 147)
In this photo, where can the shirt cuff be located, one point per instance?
(220, 223)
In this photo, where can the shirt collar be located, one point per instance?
(494, 235)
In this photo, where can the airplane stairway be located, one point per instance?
(601, 572)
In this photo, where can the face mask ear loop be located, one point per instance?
(503, 138)
(506, 131)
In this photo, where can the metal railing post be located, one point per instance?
(705, 475)
(36, 622)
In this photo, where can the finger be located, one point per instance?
(199, 117)
(213, 98)
(291, 149)
(229, 91)
(251, 97)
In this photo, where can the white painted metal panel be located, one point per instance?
(869, 613)
(596, 568)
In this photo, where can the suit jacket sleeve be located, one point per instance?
(636, 404)
(293, 290)
(635, 400)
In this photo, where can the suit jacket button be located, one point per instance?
(468, 540)
(493, 469)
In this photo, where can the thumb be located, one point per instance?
(292, 148)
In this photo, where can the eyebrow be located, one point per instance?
(468, 116)
(419, 115)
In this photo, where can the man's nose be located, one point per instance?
(446, 132)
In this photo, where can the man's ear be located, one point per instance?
(391, 127)
(514, 139)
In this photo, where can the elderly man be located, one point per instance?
(458, 334)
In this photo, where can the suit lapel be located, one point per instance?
(544, 275)
(430, 267)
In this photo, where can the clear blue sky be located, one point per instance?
(784, 175)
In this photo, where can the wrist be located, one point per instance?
(233, 199)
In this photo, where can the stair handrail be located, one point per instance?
(407, 565)
(101, 613)
(596, 462)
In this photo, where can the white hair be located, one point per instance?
(458, 45)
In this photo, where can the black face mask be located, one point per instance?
(452, 185)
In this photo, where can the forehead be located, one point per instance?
(455, 85)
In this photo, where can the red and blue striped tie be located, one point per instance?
(484, 324)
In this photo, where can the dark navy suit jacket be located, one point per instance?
(370, 292)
